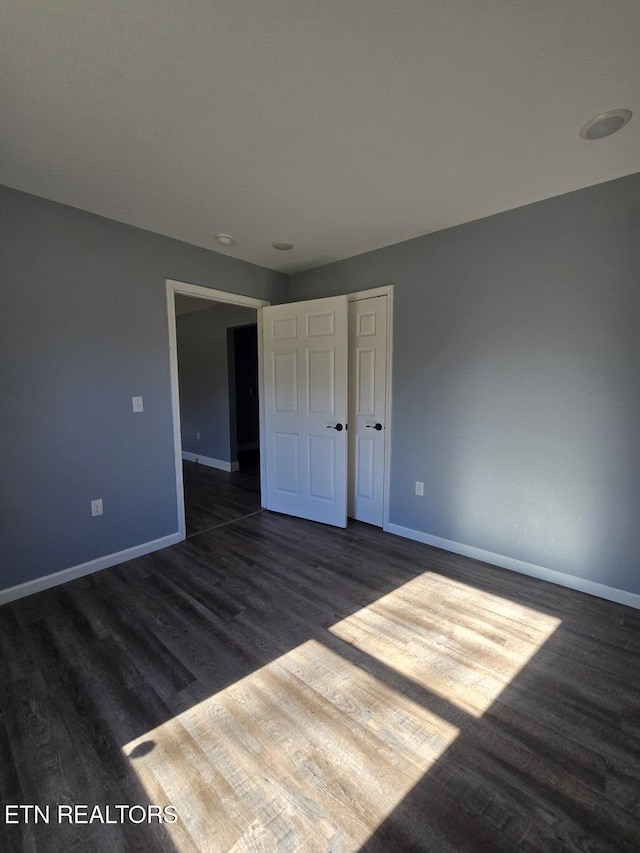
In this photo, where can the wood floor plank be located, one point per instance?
(213, 497)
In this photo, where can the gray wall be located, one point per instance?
(203, 368)
(516, 380)
(83, 328)
(516, 392)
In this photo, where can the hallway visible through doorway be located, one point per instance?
(217, 360)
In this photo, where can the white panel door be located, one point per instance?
(305, 409)
(367, 408)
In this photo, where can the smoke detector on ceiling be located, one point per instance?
(225, 239)
(282, 245)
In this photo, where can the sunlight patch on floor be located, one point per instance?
(454, 640)
(310, 752)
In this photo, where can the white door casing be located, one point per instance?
(368, 328)
(304, 347)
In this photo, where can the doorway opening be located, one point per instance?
(214, 382)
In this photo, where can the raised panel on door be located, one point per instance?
(305, 390)
(285, 447)
(285, 381)
(321, 460)
(367, 408)
(321, 381)
(364, 466)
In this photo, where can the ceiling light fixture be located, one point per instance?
(282, 245)
(606, 124)
(225, 239)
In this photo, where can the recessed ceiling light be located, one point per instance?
(225, 239)
(605, 124)
(282, 245)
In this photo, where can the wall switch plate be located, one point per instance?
(197, 436)
(137, 404)
(419, 488)
(96, 507)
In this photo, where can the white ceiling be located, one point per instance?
(340, 125)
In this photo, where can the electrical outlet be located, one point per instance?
(137, 404)
(96, 507)
(419, 488)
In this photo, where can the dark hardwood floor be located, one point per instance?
(213, 497)
(292, 687)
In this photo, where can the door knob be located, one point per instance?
(377, 427)
(336, 427)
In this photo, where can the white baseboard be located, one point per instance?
(610, 593)
(210, 462)
(48, 581)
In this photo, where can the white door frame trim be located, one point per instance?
(387, 290)
(183, 287)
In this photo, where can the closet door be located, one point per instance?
(368, 320)
(305, 409)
